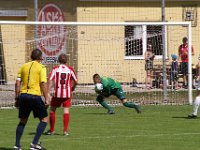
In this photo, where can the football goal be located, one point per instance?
(136, 54)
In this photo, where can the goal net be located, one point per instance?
(116, 50)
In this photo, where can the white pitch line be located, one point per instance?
(124, 136)
(55, 138)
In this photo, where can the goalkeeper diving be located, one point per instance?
(105, 87)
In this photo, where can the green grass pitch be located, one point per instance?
(157, 128)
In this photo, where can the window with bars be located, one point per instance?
(134, 40)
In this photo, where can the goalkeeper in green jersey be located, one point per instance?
(106, 87)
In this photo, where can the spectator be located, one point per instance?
(149, 57)
(183, 56)
(174, 72)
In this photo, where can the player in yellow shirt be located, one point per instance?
(32, 73)
(30, 84)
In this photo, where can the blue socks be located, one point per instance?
(19, 132)
(40, 129)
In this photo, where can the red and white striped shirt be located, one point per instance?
(62, 76)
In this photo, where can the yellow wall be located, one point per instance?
(13, 38)
(107, 58)
(16, 52)
(111, 54)
(102, 49)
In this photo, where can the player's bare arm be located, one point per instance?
(50, 85)
(17, 88)
(74, 84)
(17, 92)
(44, 88)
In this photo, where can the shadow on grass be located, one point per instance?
(51, 135)
(33, 133)
(183, 117)
(99, 114)
(5, 148)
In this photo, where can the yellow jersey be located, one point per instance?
(31, 74)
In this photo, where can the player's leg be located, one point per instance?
(24, 112)
(52, 120)
(195, 105)
(40, 129)
(131, 105)
(19, 132)
(120, 94)
(101, 101)
(55, 103)
(39, 111)
(36, 145)
(66, 116)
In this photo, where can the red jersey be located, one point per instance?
(183, 52)
(62, 76)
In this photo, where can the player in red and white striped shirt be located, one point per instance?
(64, 80)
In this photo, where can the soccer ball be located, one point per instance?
(98, 87)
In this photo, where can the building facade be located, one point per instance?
(116, 51)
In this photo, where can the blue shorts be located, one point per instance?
(33, 103)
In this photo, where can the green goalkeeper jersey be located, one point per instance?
(109, 85)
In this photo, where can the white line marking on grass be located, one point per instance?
(118, 136)
(55, 137)
(133, 136)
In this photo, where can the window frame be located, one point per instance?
(144, 46)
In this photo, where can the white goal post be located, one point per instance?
(185, 25)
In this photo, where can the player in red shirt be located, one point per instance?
(183, 55)
(64, 80)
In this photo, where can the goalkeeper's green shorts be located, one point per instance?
(119, 93)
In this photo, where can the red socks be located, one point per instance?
(66, 122)
(52, 120)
